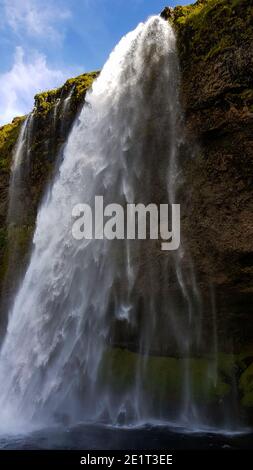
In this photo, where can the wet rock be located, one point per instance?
(167, 13)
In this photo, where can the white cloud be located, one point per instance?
(35, 18)
(25, 79)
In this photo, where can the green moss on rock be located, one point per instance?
(246, 387)
(22, 235)
(81, 84)
(44, 102)
(8, 138)
(3, 238)
(210, 25)
(163, 377)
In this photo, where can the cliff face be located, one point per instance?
(215, 45)
(216, 59)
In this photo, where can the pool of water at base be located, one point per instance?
(104, 437)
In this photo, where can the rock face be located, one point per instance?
(216, 56)
(8, 138)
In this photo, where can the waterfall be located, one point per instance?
(17, 216)
(19, 170)
(79, 300)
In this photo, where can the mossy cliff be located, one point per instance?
(77, 87)
(212, 382)
(8, 138)
(163, 376)
(214, 40)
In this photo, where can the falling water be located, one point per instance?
(19, 171)
(67, 100)
(77, 297)
(60, 109)
(17, 216)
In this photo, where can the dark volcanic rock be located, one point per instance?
(167, 13)
(216, 58)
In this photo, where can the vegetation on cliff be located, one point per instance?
(8, 138)
(214, 25)
(210, 380)
(246, 387)
(44, 102)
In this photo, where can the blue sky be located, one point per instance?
(44, 42)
